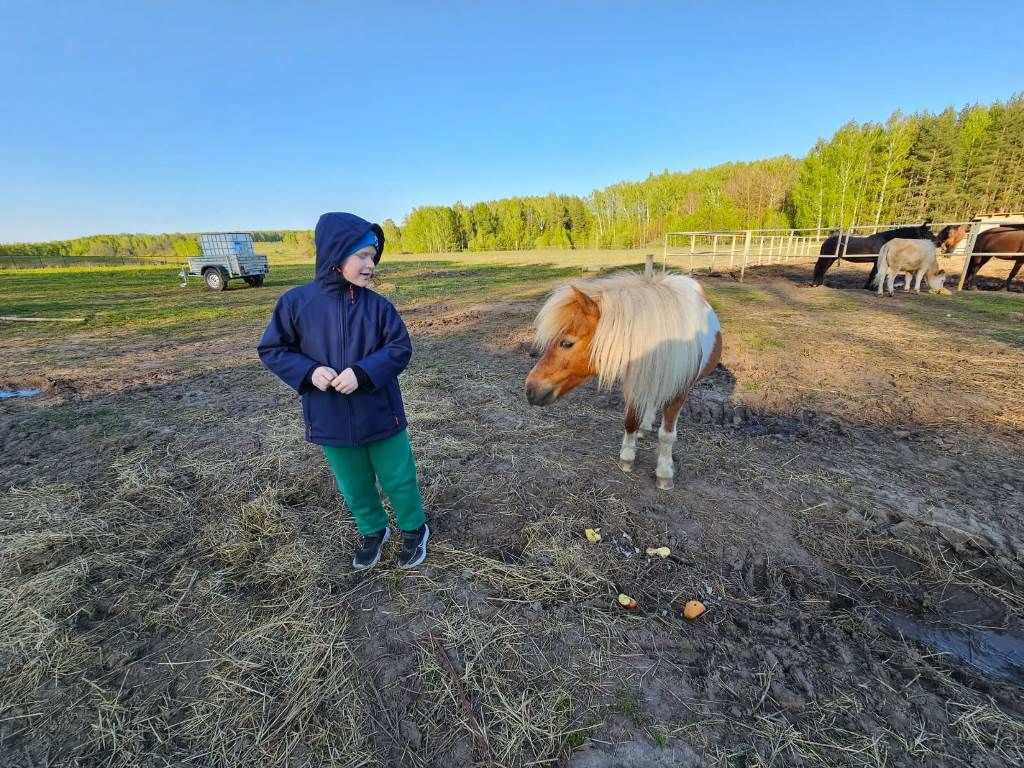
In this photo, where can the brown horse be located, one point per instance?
(949, 237)
(656, 334)
(1008, 238)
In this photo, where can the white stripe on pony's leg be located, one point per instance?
(666, 468)
(665, 471)
(628, 453)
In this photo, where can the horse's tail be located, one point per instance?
(883, 254)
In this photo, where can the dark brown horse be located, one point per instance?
(863, 249)
(1008, 238)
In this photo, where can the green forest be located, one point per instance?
(947, 167)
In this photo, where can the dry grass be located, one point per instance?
(190, 600)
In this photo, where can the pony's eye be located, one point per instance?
(566, 344)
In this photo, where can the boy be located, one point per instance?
(341, 346)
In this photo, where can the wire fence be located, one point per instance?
(36, 261)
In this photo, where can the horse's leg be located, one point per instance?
(871, 277)
(969, 277)
(666, 439)
(821, 266)
(977, 262)
(647, 422)
(892, 282)
(1013, 273)
(627, 455)
(881, 281)
(917, 283)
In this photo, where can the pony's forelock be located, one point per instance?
(554, 317)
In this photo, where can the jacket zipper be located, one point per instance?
(344, 340)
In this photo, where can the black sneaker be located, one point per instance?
(369, 549)
(414, 547)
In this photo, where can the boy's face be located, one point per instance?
(358, 268)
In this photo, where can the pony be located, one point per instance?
(656, 333)
(863, 249)
(911, 257)
(1007, 238)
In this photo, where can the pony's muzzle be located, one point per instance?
(539, 395)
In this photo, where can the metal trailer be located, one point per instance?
(226, 256)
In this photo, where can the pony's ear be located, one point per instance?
(590, 307)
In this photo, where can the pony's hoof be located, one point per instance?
(666, 483)
(626, 466)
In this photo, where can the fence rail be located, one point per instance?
(60, 260)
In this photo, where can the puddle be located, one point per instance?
(996, 654)
(8, 393)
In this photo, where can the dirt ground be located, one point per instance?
(176, 586)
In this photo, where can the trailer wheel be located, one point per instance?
(215, 279)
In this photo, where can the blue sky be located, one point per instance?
(186, 116)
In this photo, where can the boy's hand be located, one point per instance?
(345, 382)
(322, 377)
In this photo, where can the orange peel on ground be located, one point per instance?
(626, 601)
(593, 535)
(659, 551)
(693, 609)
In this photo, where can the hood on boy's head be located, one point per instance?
(339, 235)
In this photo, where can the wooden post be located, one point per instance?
(649, 266)
(714, 250)
(746, 254)
(732, 252)
(972, 235)
(693, 244)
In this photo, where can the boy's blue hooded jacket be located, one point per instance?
(332, 322)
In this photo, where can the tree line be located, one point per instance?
(945, 166)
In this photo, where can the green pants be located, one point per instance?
(357, 470)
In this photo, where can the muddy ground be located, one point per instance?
(176, 587)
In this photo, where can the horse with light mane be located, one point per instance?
(913, 258)
(656, 334)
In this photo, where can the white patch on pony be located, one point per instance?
(654, 334)
(628, 453)
(665, 470)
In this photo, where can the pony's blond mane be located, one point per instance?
(648, 335)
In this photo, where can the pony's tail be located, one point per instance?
(883, 254)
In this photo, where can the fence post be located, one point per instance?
(693, 244)
(664, 255)
(968, 255)
(649, 265)
(714, 250)
(732, 252)
(746, 253)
